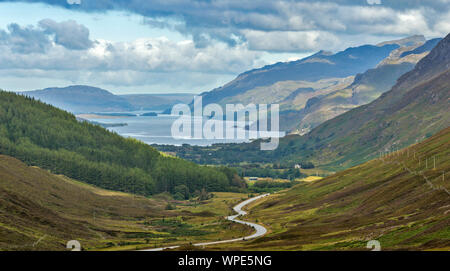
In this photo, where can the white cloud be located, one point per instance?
(288, 41)
(374, 2)
(222, 37)
(150, 62)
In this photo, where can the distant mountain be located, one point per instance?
(319, 66)
(81, 99)
(157, 101)
(428, 46)
(87, 99)
(333, 83)
(415, 40)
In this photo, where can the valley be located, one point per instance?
(43, 211)
(367, 160)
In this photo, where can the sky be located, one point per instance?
(168, 46)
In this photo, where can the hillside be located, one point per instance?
(400, 199)
(86, 99)
(42, 211)
(35, 204)
(365, 88)
(81, 99)
(42, 135)
(415, 108)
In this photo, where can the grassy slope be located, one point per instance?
(36, 204)
(394, 200)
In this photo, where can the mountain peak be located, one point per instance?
(408, 41)
(436, 62)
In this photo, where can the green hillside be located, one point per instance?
(43, 211)
(41, 135)
(402, 200)
(35, 204)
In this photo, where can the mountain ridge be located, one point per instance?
(351, 62)
(278, 83)
(89, 99)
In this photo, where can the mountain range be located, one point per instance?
(309, 91)
(414, 109)
(324, 85)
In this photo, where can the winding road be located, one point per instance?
(260, 230)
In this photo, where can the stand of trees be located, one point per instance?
(289, 174)
(44, 136)
(233, 154)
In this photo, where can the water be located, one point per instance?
(157, 130)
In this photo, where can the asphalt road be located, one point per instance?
(260, 230)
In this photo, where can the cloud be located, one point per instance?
(140, 62)
(68, 34)
(227, 20)
(24, 40)
(289, 41)
(148, 54)
(222, 37)
(31, 39)
(374, 2)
